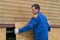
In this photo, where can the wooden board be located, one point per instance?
(2, 33)
(54, 34)
(25, 35)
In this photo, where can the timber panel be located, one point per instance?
(2, 33)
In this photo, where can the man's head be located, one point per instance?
(35, 8)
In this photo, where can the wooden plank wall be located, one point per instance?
(20, 10)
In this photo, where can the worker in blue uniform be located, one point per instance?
(38, 23)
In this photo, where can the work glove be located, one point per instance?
(16, 31)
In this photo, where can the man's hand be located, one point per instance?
(51, 29)
(16, 31)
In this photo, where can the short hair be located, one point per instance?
(37, 6)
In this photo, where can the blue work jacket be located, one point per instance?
(40, 27)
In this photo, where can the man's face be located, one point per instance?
(34, 10)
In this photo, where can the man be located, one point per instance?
(38, 23)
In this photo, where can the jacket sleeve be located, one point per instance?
(31, 24)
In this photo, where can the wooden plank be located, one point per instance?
(2, 33)
(54, 33)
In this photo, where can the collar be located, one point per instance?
(35, 15)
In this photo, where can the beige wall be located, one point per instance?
(20, 10)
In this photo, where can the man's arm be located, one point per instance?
(31, 24)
